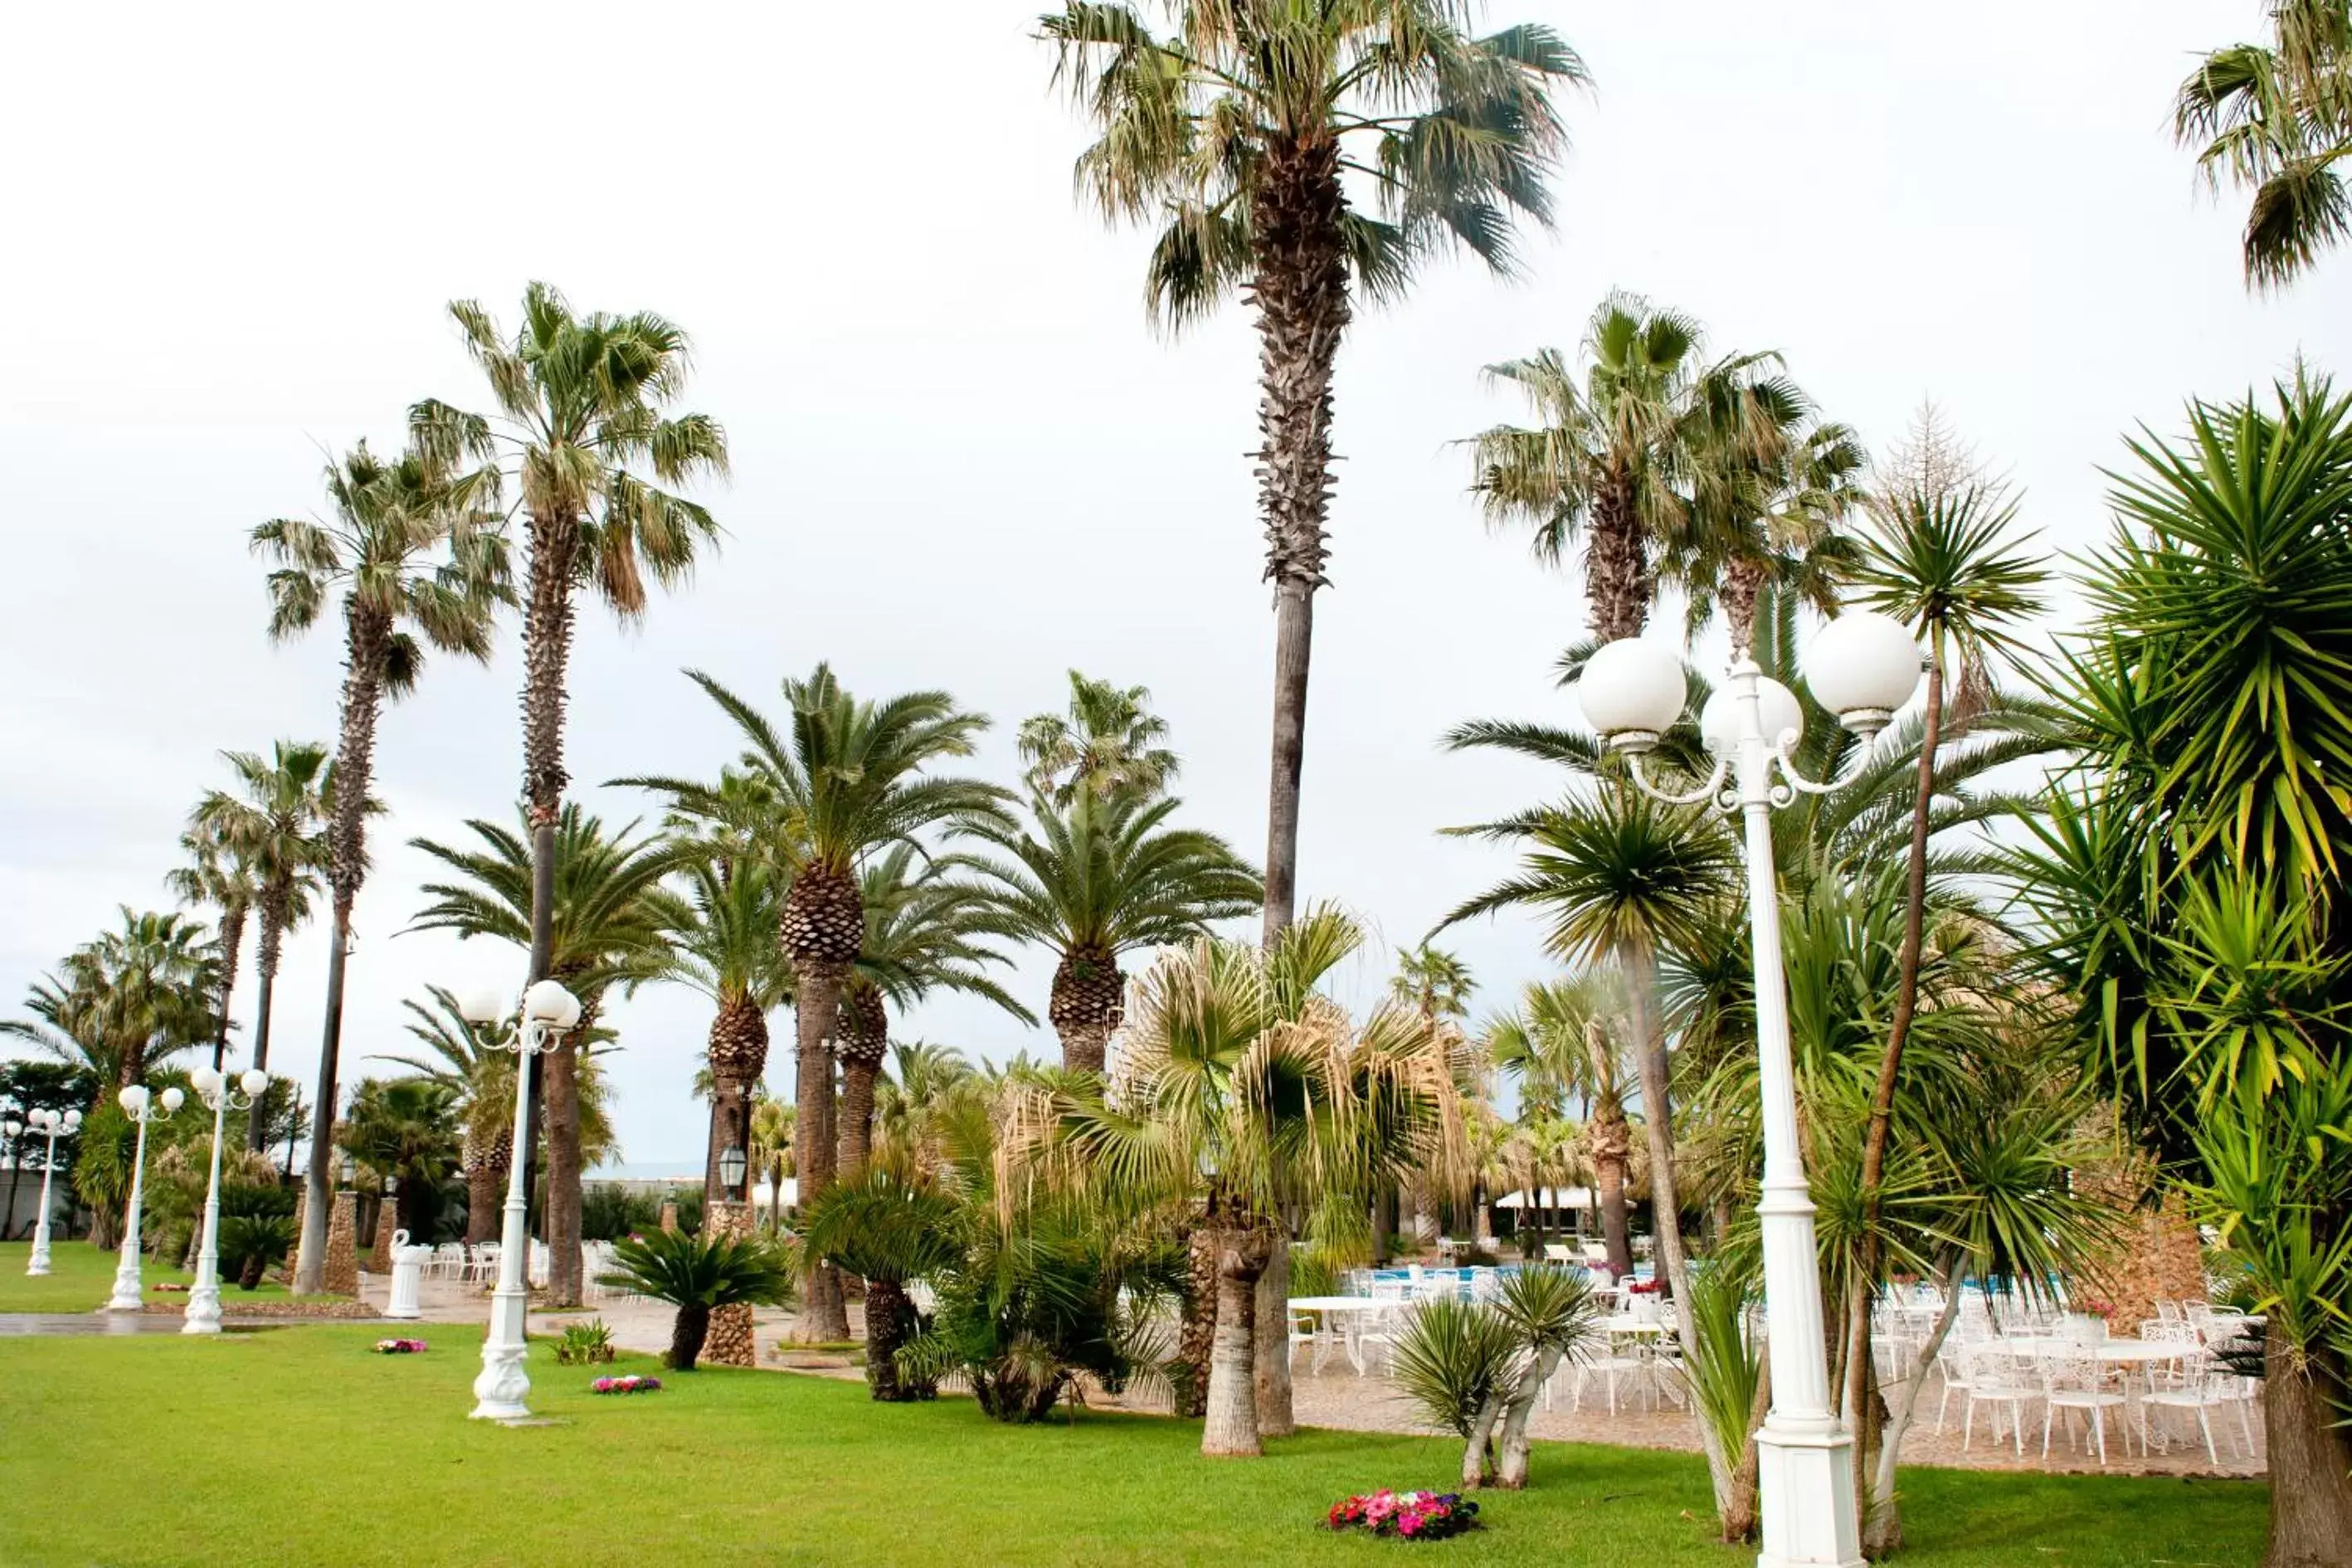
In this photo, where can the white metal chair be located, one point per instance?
(2076, 1380)
(2203, 1389)
(1993, 1377)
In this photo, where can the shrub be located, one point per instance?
(253, 1244)
(584, 1344)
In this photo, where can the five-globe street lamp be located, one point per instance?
(222, 1094)
(1862, 667)
(142, 1108)
(549, 1013)
(53, 1126)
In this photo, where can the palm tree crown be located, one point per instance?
(2275, 117)
(1108, 741)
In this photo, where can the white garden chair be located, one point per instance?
(1993, 1377)
(2077, 1382)
(2203, 1388)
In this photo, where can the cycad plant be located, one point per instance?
(611, 911)
(697, 1274)
(417, 563)
(1252, 134)
(890, 1234)
(1100, 876)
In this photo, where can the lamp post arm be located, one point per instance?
(1783, 760)
(1710, 790)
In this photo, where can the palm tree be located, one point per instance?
(611, 911)
(914, 1106)
(277, 823)
(844, 778)
(1773, 522)
(216, 875)
(1248, 1095)
(1108, 741)
(890, 1234)
(1101, 875)
(1239, 127)
(1944, 560)
(1654, 443)
(1436, 982)
(924, 928)
(698, 1274)
(1624, 881)
(417, 564)
(725, 948)
(770, 1150)
(1563, 1042)
(407, 1130)
(474, 1061)
(579, 398)
(2276, 118)
(126, 999)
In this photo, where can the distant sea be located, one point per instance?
(688, 1169)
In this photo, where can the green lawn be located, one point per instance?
(81, 1278)
(297, 1445)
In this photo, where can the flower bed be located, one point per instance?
(400, 1347)
(632, 1383)
(1409, 1516)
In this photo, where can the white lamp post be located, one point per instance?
(1863, 667)
(204, 1312)
(549, 1013)
(143, 1108)
(52, 1124)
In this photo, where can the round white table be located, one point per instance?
(2114, 1352)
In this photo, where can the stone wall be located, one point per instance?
(2156, 1254)
(731, 1342)
(342, 1246)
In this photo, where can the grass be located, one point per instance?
(315, 1451)
(81, 1278)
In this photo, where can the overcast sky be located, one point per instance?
(961, 457)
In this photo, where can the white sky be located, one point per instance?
(961, 457)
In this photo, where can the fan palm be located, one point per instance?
(474, 1061)
(924, 926)
(2275, 117)
(1564, 1041)
(417, 564)
(1788, 482)
(914, 1105)
(126, 999)
(1246, 1094)
(1100, 877)
(611, 911)
(844, 778)
(1109, 741)
(580, 400)
(1436, 982)
(276, 822)
(408, 1131)
(1240, 127)
(215, 875)
(1653, 432)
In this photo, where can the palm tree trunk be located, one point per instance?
(1666, 1217)
(366, 636)
(1738, 1514)
(2310, 1461)
(1231, 1428)
(1742, 582)
(547, 655)
(825, 1319)
(1616, 571)
(232, 938)
(890, 1321)
(1890, 1068)
(563, 1173)
(484, 1182)
(266, 963)
(1197, 1332)
(1300, 289)
(686, 1333)
(856, 1141)
(1271, 1349)
(1616, 1229)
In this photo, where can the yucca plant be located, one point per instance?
(696, 1274)
(1549, 1312)
(1456, 1362)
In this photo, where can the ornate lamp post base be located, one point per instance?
(38, 1264)
(126, 1297)
(203, 1315)
(499, 1390)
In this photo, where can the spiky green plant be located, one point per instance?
(696, 1273)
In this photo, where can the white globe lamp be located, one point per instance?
(1862, 666)
(1632, 692)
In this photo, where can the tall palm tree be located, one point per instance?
(582, 420)
(1773, 522)
(1240, 127)
(417, 564)
(1107, 741)
(611, 911)
(725, 947)
(914, 1106)
(1249, 1094)
(276, 822)
(215, 874)
(1649, 433)
(474, 1061)
(1100, 876)
(925, 926)
(125, 1000)
(1564, 1042)
(2275, 117)
(845, 778)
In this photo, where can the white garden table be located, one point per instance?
(1332, 1310)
